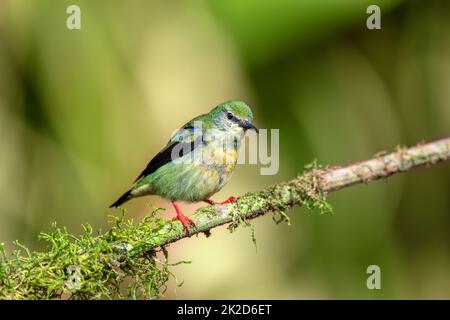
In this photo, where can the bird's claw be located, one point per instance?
(185, 221)
(229, 200)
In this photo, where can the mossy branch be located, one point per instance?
(308, 189)
(95, 266)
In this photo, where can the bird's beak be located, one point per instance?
(247, 125)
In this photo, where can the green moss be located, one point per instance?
(239, 218)
(307, 191)
(304, 191)
(130, 260)
(88, 266)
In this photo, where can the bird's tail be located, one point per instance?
(124, 198)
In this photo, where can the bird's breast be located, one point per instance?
(220, 158)
(197, 175)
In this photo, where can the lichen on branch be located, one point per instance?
(96, 266)
(87, 266)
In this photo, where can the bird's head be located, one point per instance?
(233, 116)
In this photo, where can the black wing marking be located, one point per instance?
(165, 156)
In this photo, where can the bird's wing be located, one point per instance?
(184, 140)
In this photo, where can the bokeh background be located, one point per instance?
(83, 111)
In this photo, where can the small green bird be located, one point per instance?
(197, 161)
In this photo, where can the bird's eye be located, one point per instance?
(229, 115)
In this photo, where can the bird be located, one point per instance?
(198, 160)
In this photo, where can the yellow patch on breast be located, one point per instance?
(209, 174)
(224, 157)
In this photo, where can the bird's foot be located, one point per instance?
(185, 221)
(229, 200)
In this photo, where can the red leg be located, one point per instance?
(229, 200)
(180, 216)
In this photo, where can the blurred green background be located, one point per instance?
(83, 111)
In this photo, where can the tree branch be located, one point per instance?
(95, 266)
(307, 189)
